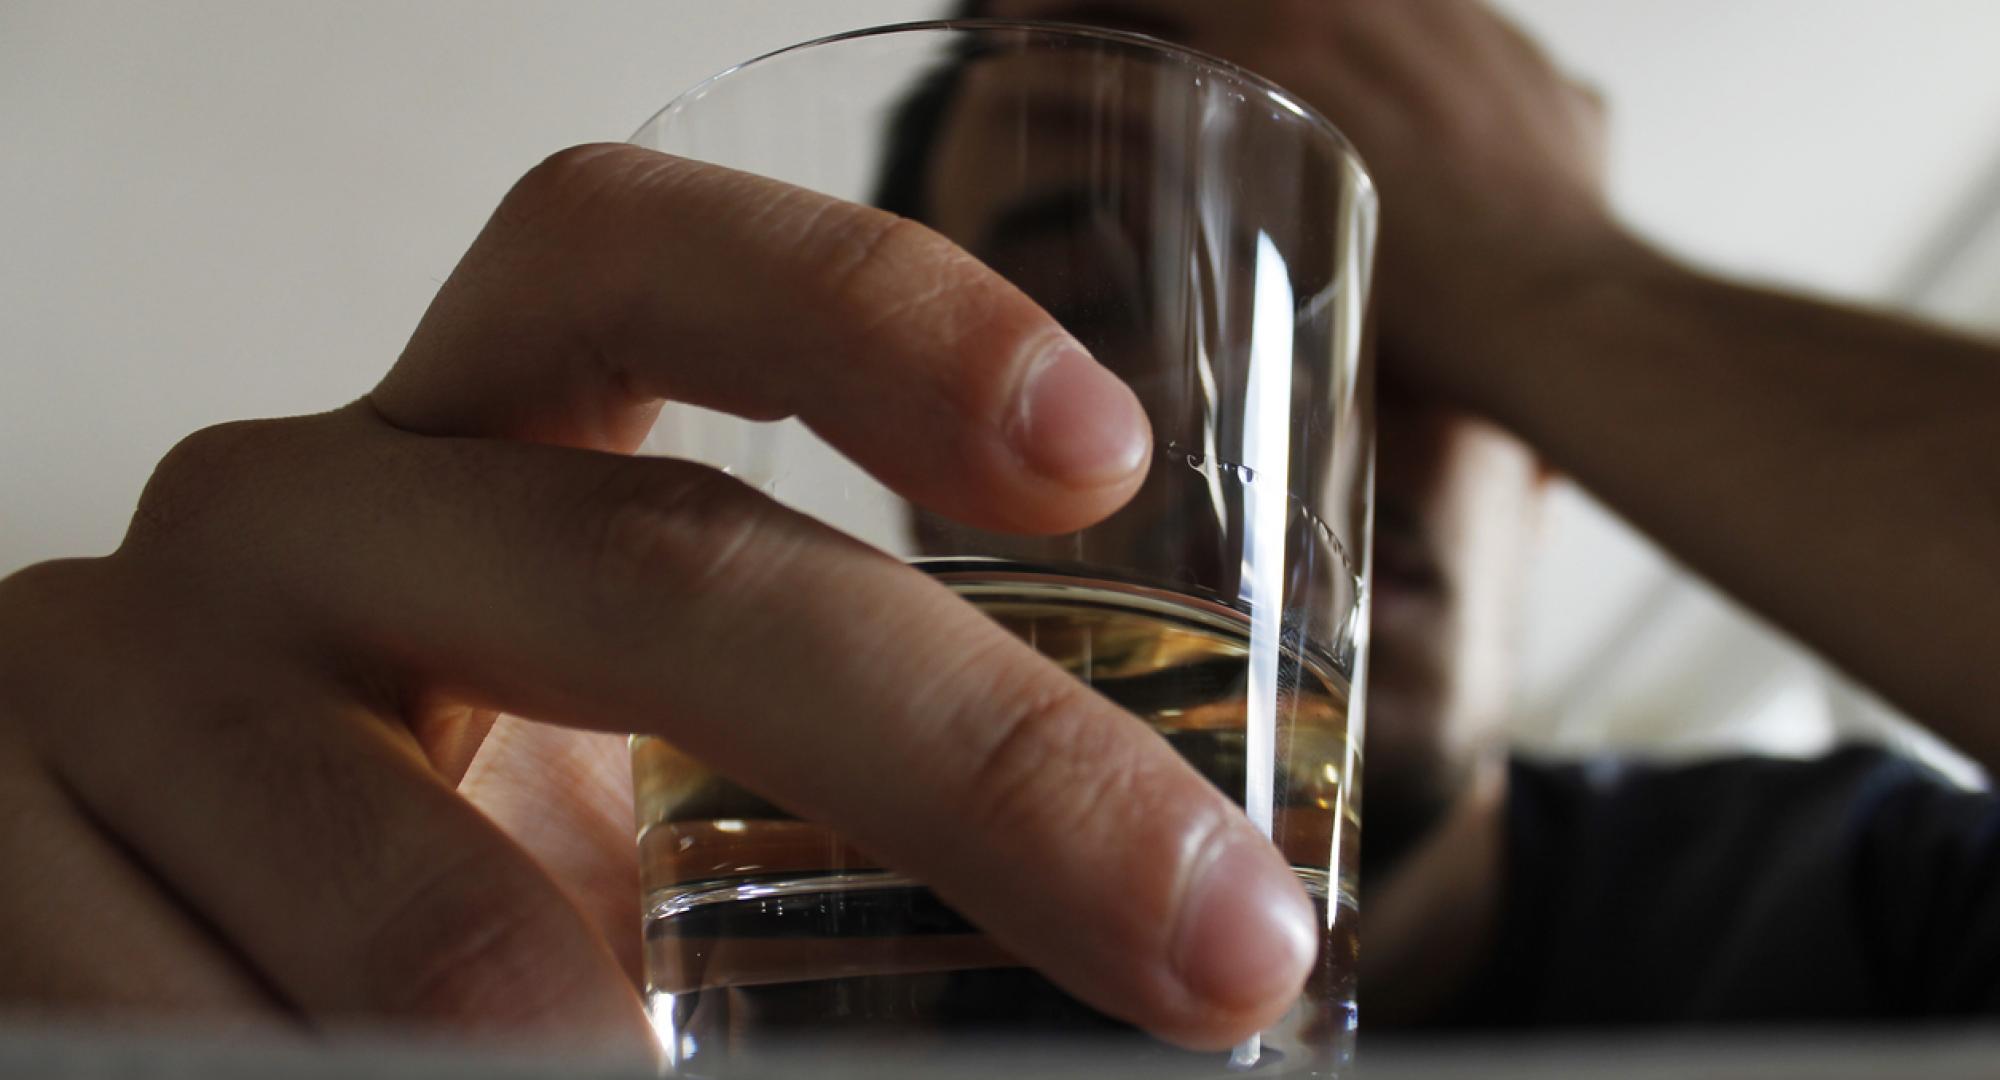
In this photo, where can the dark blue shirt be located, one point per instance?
(1858, 885)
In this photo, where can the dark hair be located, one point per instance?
(914, 128)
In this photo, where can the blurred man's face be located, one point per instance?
(1456, 497)
(1456, 510)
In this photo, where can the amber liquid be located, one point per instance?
(764, 931)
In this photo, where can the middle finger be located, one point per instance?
(661, 597)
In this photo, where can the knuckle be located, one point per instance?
(1055, 763)
(683, 531)
(39, 606)
(891, 287)
(878, 269)
(573, 179)
(42, 587)
(200, 475)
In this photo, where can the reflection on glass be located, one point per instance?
(1208, 241)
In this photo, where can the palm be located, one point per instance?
(566, 797)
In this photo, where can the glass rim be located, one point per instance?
(1161, 47)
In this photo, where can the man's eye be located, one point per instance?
(1103, 317)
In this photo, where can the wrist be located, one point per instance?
(1566, 305)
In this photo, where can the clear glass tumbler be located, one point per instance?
(1207, 237)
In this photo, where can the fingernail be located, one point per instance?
(1247, 933)
(1079, 425)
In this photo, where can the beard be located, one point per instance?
(1402, 807)
(1409, 779)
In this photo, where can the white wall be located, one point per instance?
(1834, 145)
(223, 208)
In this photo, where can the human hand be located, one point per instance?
(228, 751)
(1489, 163)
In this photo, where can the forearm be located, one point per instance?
(1838, 471)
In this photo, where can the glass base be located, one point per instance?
(870, 967)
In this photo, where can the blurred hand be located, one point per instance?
(1488, 160)
(228, 751)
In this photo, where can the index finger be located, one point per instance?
(612, 277)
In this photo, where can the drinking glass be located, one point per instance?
(1209, 238)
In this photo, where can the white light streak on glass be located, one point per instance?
(1266, 451)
